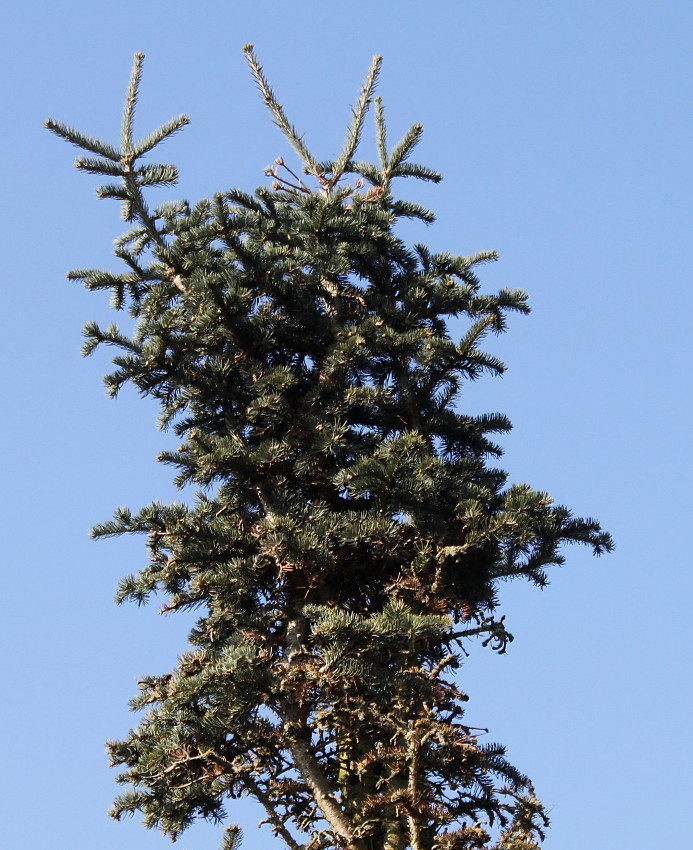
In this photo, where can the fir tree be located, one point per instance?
(350, 529)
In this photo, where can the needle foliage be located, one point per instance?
(350, 527)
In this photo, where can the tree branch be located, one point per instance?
(414, 830)
(304, 761)
(272, 817)
(320, 788)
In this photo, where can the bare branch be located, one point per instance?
(320, 788)
(272, 816)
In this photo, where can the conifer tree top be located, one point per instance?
(350, 529)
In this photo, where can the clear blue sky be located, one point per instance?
(564, 134)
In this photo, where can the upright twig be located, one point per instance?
(359, 110)
(309, 162)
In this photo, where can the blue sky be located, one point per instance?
(564, 132)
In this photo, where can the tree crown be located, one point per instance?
(350, 530)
